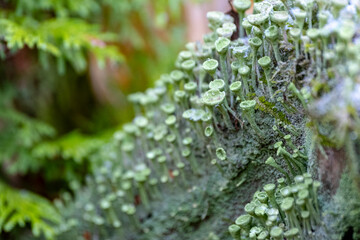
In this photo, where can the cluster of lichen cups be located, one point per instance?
(285, 211)
(296, 161)
(215, 88)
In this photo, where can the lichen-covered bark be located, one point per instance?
(304, 127)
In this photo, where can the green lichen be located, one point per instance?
(209, 151)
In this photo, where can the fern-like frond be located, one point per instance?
(73, 146)
(62, 8)
(18, 207)
(64, 38)
(18, 134)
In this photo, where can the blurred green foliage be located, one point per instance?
(19, 134)
(21, 207)
(67, 67)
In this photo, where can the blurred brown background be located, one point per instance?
(195, 15)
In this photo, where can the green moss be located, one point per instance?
(270, 108)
